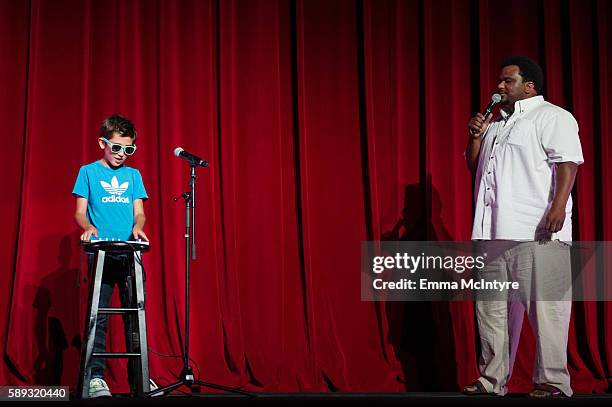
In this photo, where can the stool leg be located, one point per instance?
(91, 321)
(143, 367)
(129, 321)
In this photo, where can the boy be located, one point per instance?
(109, 204)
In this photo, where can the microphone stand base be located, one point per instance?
(187, 379)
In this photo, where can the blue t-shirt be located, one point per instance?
(110, 195)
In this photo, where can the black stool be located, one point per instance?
(141, 369)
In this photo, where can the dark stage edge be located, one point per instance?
(349, 399)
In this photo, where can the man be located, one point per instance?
(525, 162)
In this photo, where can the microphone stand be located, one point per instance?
(187, 378)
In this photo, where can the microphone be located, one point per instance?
(495, 99)
(193, 159)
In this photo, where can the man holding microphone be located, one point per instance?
(525, 161)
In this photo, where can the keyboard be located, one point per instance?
(115, 245)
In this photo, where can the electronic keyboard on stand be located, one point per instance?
(115, 245)
(137, 351)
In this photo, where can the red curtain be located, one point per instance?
(326, 123)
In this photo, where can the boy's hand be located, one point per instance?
(139, 234)
(88, 233)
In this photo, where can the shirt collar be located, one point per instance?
(522, 106)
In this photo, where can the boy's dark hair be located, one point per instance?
(117, 124)
(529, 70)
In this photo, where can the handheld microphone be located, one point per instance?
(495, 99)
(193, 159)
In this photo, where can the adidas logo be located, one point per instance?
(115, 190)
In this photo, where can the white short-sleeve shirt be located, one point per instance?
(515, 179)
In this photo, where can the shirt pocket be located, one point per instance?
(520, 133)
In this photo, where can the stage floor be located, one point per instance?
(349, 399)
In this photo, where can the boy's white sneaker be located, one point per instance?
(98, 388)
(153, 386)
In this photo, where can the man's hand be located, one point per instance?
(88, 233)
(139, 234)
(477, 125)
(555, 219)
